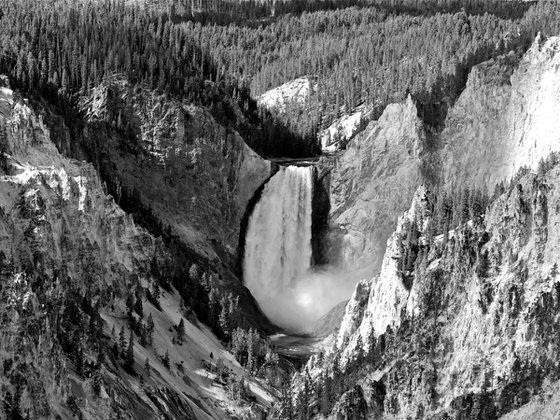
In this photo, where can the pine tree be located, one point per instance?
(150, 330)
(129, 303)
(181, 331)
(157, 292)
(4, 147)
(138, 307)
(122, 341)
(223, 318)
(129, 361)
(147, 367)
(165, 360)
(483, 264)
(326, 394)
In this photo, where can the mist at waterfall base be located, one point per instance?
(277, 261)
(315, 294)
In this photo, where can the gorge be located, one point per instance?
(342, 210)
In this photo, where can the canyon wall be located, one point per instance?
(505, 118)
(69, 258)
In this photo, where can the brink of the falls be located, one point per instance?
(278, 247)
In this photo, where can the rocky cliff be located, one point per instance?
(470, 330)
(506, 117)
(370, 183)
(461, 321)
(503, 120)
(182, 171)
(69, 259)
(201, 173)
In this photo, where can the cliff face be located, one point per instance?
(69, 257)
(195, 174)
(371, 182)
(506, 117)
(471, 330)
(387, 297)
(462, 324)
(183, 174)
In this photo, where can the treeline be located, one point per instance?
(58, 52)
(259, 12)
(372, 55)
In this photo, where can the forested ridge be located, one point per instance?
(221, 55)
(373, 53)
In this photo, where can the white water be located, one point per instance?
(278, 248)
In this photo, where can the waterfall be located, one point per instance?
(278, 246)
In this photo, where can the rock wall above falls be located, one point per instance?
(72, 263)
(370, 183)
(380, 304)
(506, 118)
(196, 175)
(473, 321)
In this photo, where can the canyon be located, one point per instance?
(151, 191)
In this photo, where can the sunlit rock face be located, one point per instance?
(371, 183)
(380, 303)
(293, 92)
(506, 118)
(475, 329)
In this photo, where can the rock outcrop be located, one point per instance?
(380, 304)
(69, 257)
(194, 173)
(372, 182)
(183, 174)
(471, 326)
(295, 92)
(460, 324)
(506, 117)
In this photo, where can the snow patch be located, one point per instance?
(53, 177)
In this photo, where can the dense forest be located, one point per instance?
(372, 53)
(371, 56)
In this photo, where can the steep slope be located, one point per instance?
(182, 174)
(69, 258)
(506, 118)
(461, 321)
(329, 323)
(471, 330)
(201, 174)
(503, 120)
(370, 183)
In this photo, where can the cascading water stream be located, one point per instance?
(278, 246)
